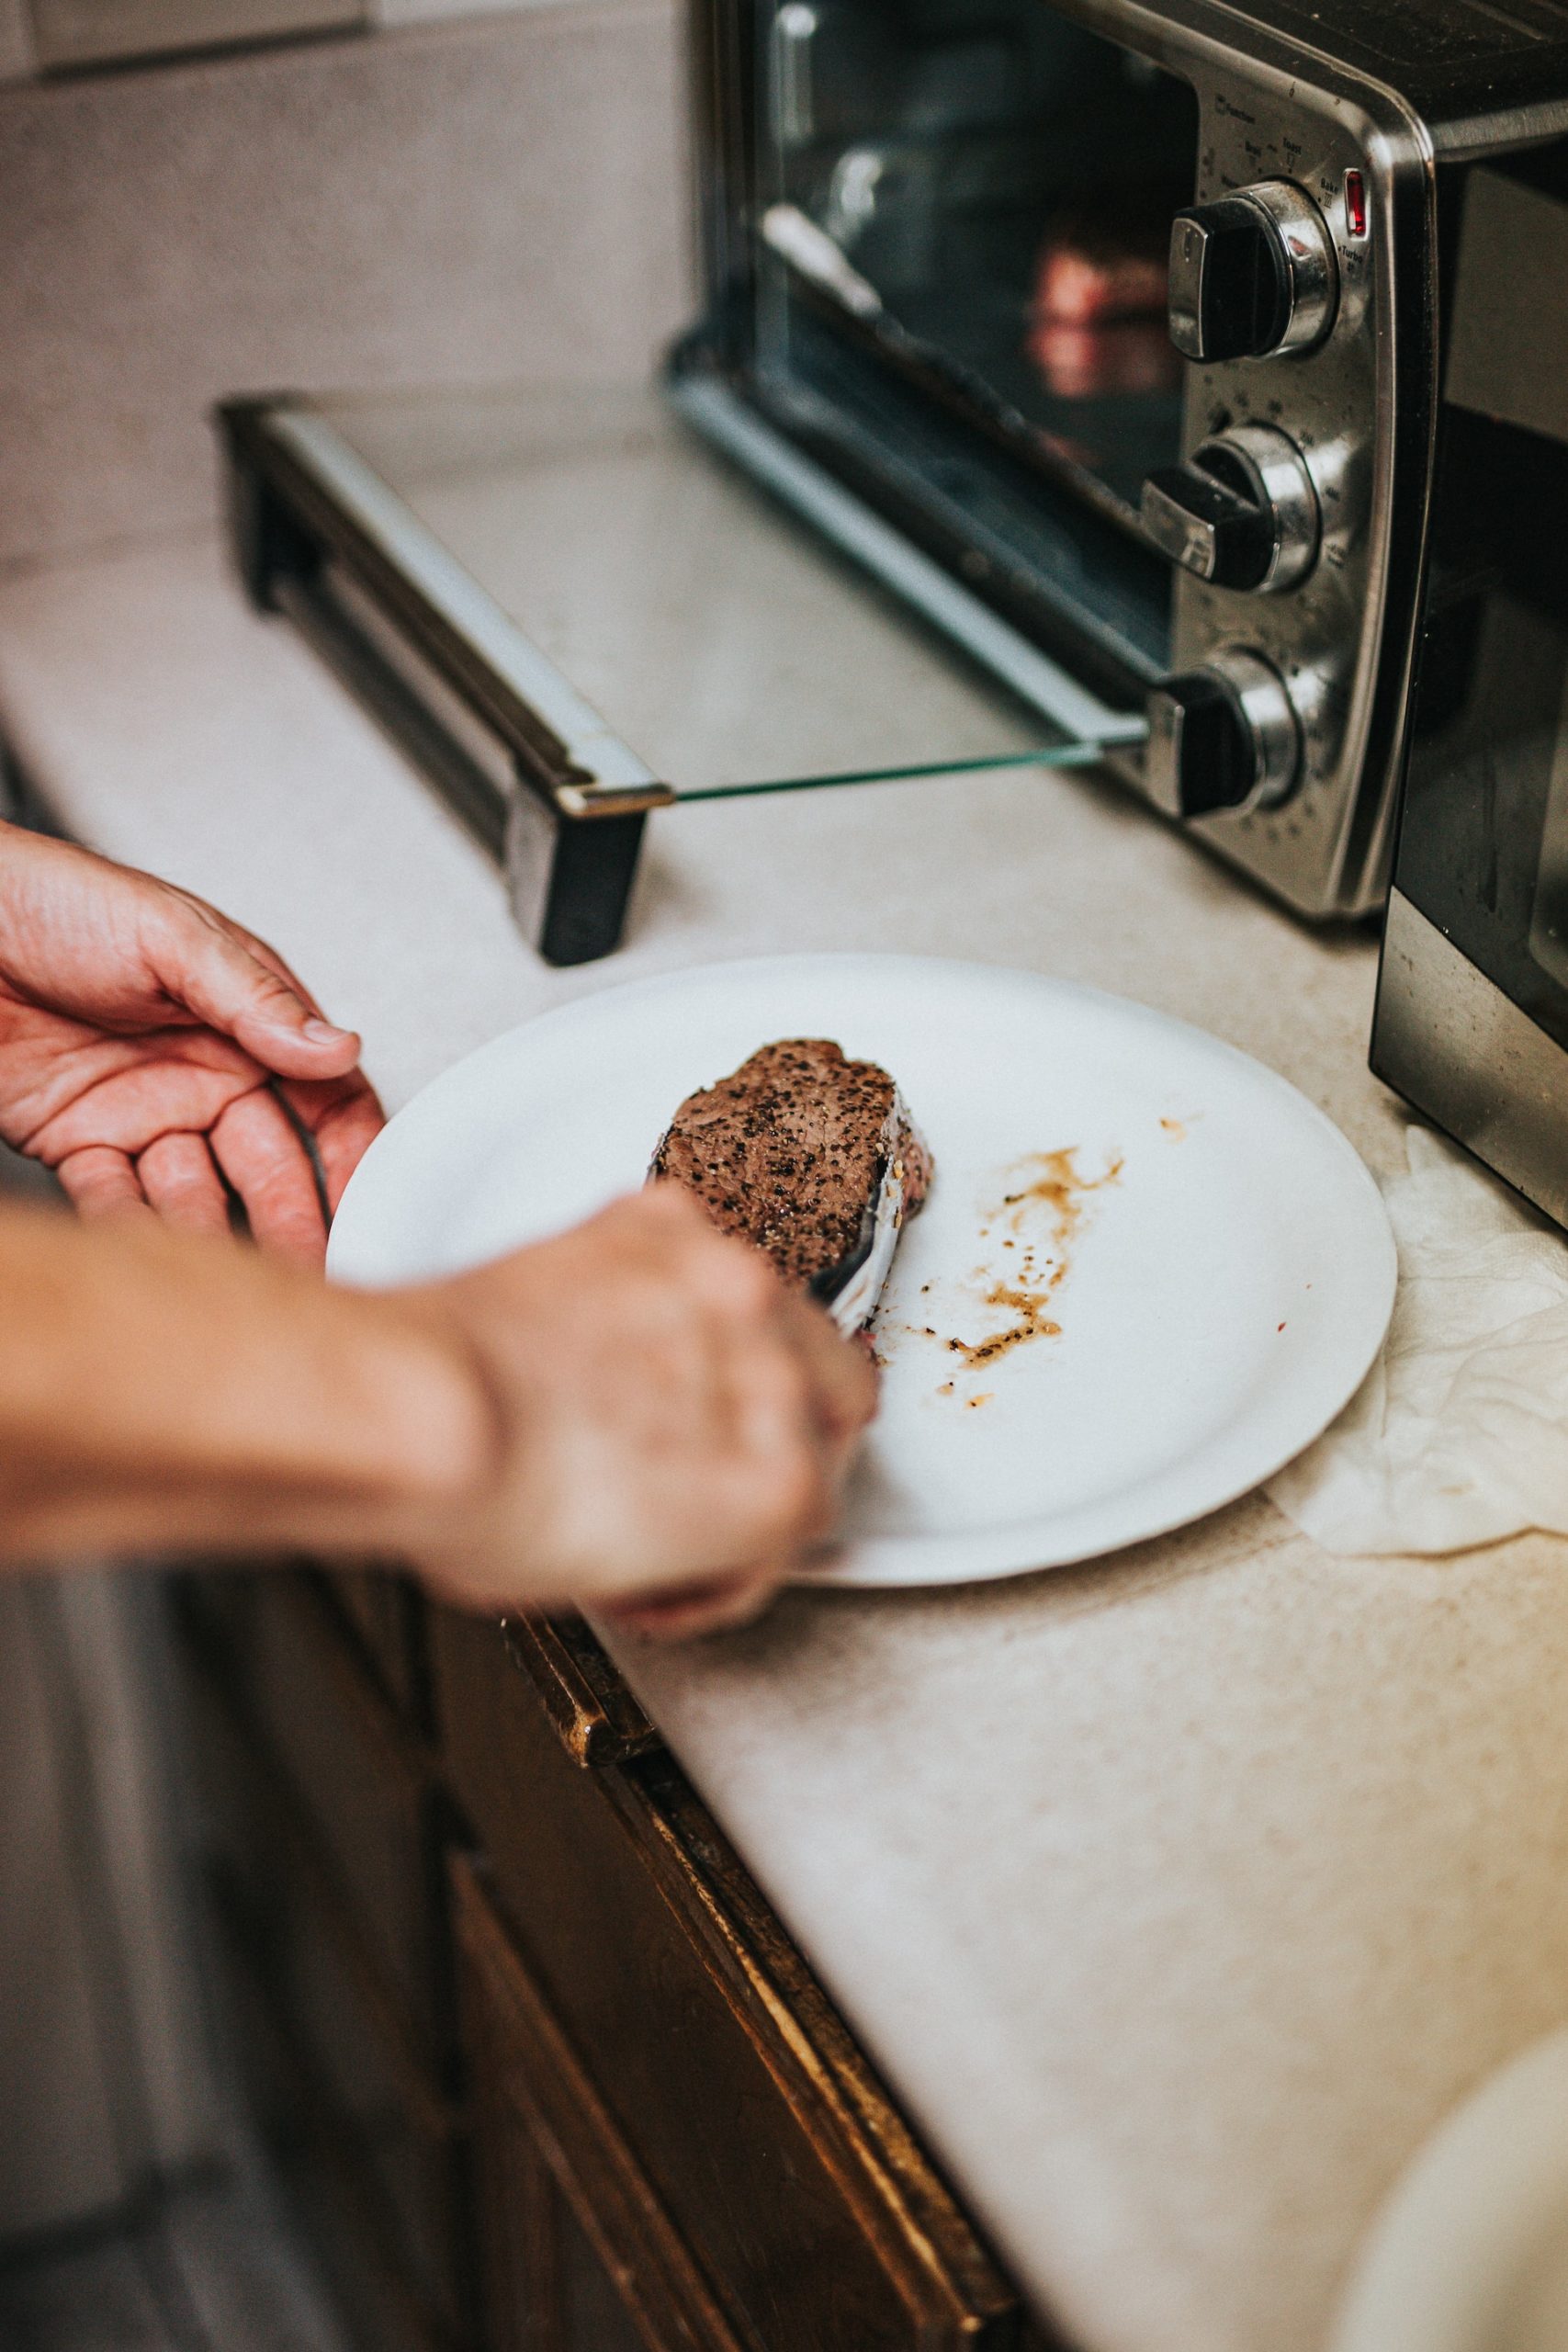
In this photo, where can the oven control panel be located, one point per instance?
(1244, 511)
(1102, 302)
(1252, 275)
(1276, 520)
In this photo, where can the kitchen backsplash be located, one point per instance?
(486, 200)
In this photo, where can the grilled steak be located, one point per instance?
(812, 1157)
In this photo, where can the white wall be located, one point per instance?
(499, 198)
(15, 40)
(21, 50)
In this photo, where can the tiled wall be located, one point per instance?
(461, 202)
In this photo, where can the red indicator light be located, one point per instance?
(1355, 204)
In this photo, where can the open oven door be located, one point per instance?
(574, 606)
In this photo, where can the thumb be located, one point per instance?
(221, 979)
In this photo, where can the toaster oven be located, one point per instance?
(1472, 1018)
(1106, 337)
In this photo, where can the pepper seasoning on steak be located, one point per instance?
(814, 1159)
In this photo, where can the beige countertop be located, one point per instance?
(1176, 1895)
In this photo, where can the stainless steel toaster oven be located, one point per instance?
(1108, 337)
(1133, 315)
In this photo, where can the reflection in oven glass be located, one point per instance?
(987, 191)
(1097, 317)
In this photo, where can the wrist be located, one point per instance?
(439, 1440)
(157, 1390)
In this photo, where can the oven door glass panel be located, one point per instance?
(982, 192)
(720, 639)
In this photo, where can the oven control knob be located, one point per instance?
(1223, 740)
(1242, 512)
(1251, 273)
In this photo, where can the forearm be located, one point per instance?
(161, 1391)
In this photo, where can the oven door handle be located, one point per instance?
(566, 747)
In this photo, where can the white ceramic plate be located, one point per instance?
(1471, 2252)
(1215, 1257)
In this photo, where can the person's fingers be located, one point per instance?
(343, 1117)
(208, 967)
(782, 1462)
(259, 1152)
(265, 953)
(125, 1091)
(740, 1282)
(798, 1396)
(675, 1426)
(790, 1442)
(844, 1378)
(674, 1616)
(180, 1180)
(102, 1182)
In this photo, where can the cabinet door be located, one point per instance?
(544, 2288)
(383, 1608)
(578, 2254)
(818, 2221)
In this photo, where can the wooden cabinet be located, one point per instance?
(574, 2234)
(549, 2072)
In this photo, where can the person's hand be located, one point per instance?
(160, 1058)
(673, 1427)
